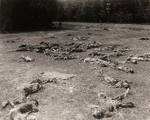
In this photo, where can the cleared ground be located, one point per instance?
(70, 99)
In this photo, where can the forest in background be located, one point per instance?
(122, 11)
(39, 14)
(23, 15)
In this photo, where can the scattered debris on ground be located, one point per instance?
(103, 63)
(146, 55)
(125, 69)
(87, 27)
(112, 104)
(25, 47)
(79, 38)
(52, 37)
(123, 84)
(69, 44)
(110, 109)
(116, 54)
(111, 81)
(93, 45)
(125, 105)
(134, 59)
(63, 56)
(10, 41)
(74, 38)
(67, 52)
(27, 59)
(69, 34)
(101, 113)
(96, 53)
(115, 82)
(112, 48)
(121, 96)
(24, 91)
(144, 38)
(36, 86)
(89, 33)
(45, 81)
(106, 29)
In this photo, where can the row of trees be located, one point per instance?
(39, 14)
(95, 10)
(26, 14)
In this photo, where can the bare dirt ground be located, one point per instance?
(70, 99)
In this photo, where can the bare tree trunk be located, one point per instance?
(143, 11)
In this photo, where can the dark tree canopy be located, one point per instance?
(122, 11)
(26, 14)
(39, 14)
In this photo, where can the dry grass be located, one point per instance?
(71, 100)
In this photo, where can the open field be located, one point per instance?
(70, 99)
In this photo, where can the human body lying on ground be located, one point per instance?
(22, 111)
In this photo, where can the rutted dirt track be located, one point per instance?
(70, 99)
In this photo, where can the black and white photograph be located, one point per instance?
(74, 59)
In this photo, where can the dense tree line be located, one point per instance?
(26, 14)
(127, 11)
(39, 14)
